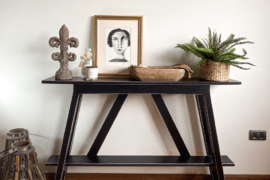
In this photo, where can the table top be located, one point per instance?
(102, 81)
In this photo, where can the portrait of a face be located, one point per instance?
(118, 46)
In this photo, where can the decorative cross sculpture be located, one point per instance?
(63, 57)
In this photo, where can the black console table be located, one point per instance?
(123, 87)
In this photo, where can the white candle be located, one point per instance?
(91, 72)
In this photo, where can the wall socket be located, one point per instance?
(257, 135)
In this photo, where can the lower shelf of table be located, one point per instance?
(139, 161)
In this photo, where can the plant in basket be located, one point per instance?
(217, 56)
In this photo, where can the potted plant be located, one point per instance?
(216, 56)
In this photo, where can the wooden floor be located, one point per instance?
(50, 176)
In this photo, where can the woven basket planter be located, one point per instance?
(214, 71)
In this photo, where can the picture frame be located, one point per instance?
(117, 44)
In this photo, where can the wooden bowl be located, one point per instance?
(157, 73)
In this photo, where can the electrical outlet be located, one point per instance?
(257, 135)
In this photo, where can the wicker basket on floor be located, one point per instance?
(214, 71)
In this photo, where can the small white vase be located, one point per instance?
(87, 62)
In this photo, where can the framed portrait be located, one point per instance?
(118, 44)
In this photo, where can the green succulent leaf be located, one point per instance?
(239, 43)
(237, 62)
(210, 38)
(240, 67)
(198, 64)
(245, 52)
(219, 40)
(198, 43)
(206, 43)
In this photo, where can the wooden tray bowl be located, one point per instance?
(157, 73)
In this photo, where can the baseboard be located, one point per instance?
(80, 176)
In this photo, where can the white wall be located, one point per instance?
(25, 59)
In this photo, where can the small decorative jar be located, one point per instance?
(87, 62)
(91, 73)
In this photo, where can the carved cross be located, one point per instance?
(63, 57)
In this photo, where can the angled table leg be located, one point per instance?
(68, 135)
(210, 135)
(205, 129)
(107, 125)
(180, 144)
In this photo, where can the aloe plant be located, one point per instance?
(215, 50)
